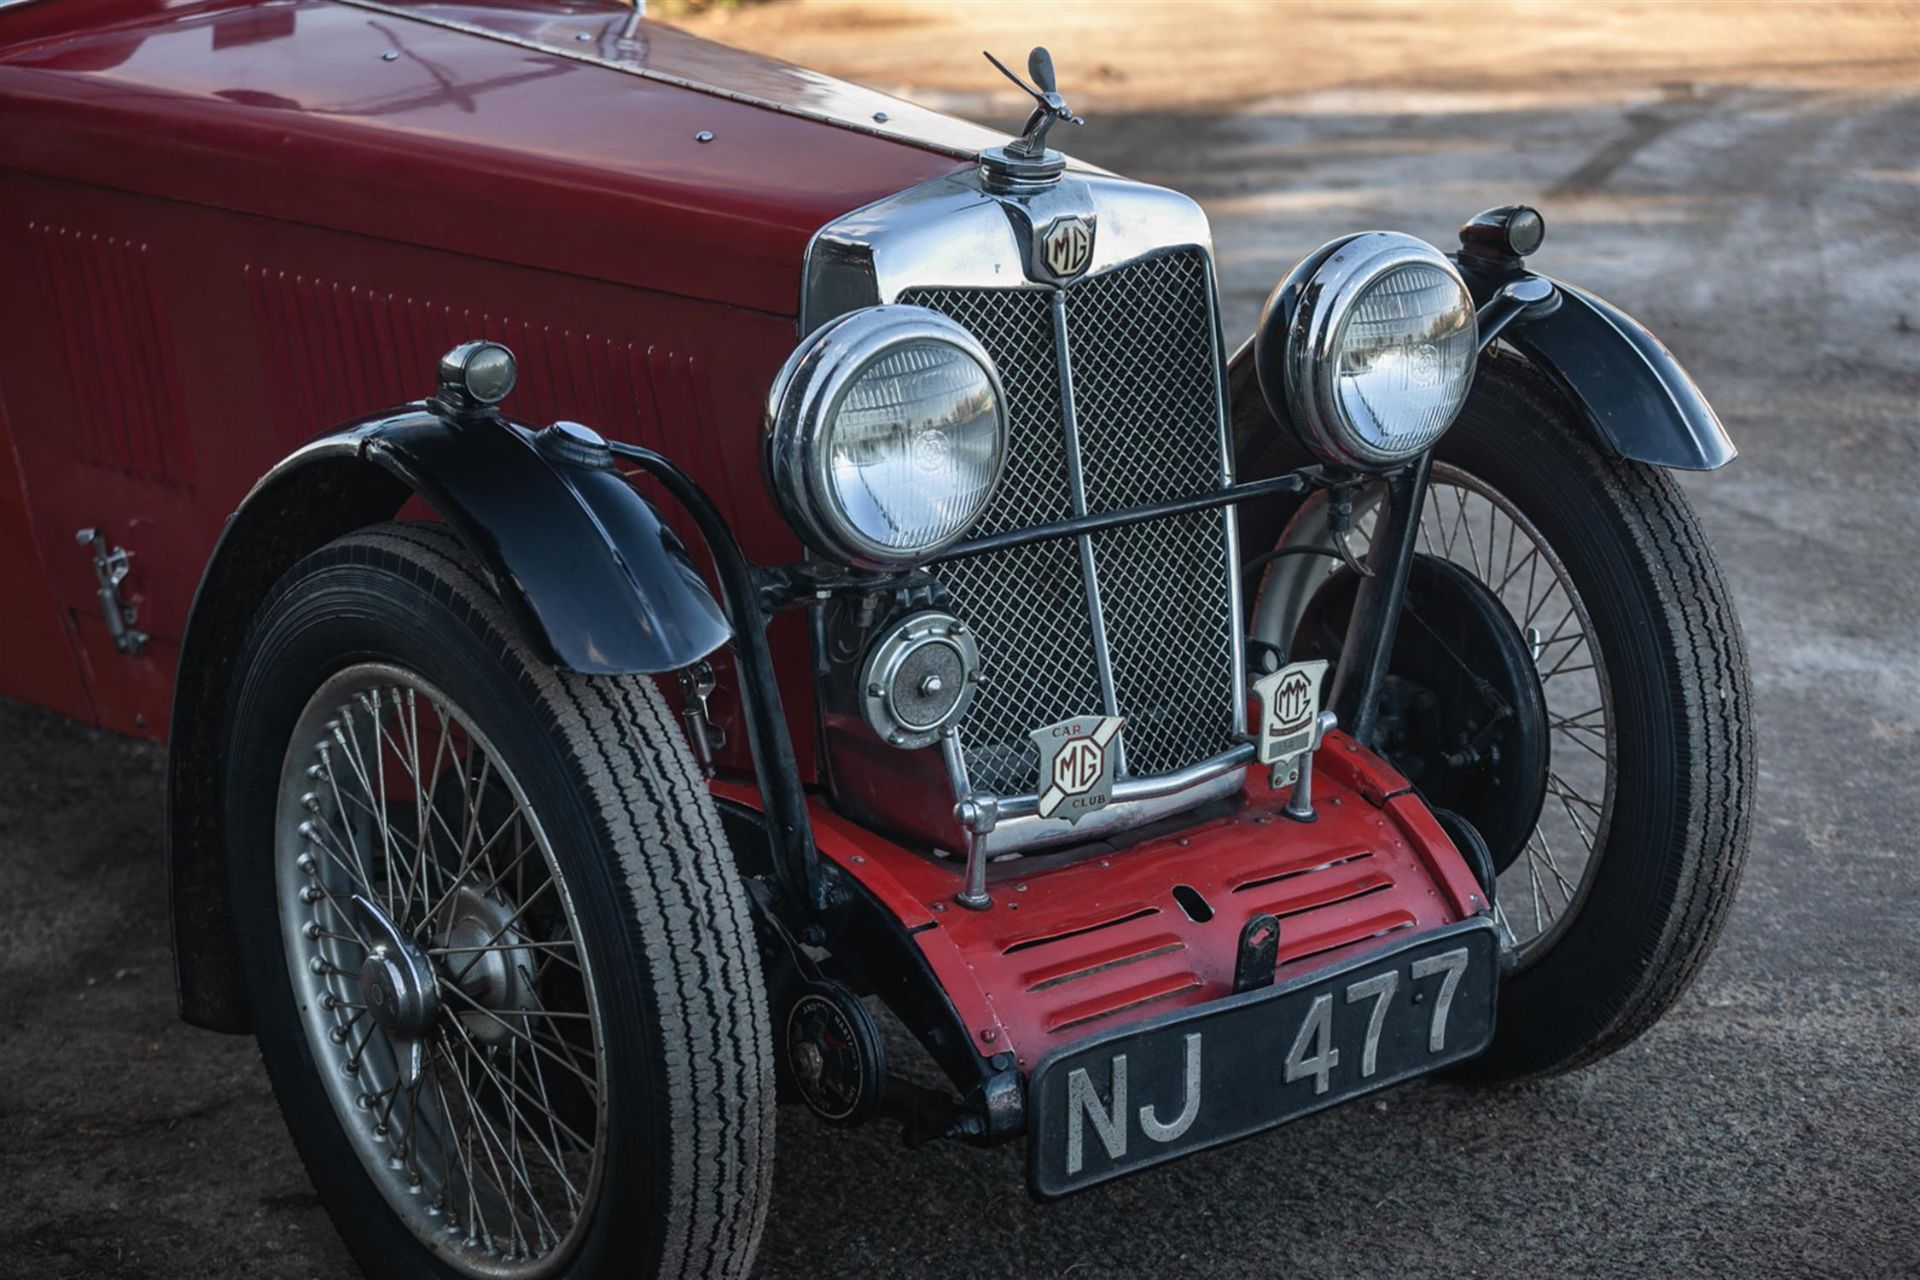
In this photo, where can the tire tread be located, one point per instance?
(1703, 653)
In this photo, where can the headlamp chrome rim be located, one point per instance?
(806, 396)
(1325, 302)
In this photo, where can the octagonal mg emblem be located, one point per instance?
(1076, 765)
(1066, 246)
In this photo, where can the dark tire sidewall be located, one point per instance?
(1530, 449)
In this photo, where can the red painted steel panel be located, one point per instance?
(229, 226)
(1073, 946)
(604, 30)
(36, 655)
(118, 354)
(460, 143)
(281, 331)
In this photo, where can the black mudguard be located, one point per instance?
(1633, 393)
(574, 549)
(575, 552)
(1634, 396)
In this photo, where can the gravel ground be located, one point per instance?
(1763, 216)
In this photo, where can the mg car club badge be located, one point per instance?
(1289, 700)
(1076, 765)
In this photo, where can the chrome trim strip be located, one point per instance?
(1136, 802)
(1236, 594)
(1077, 489)
(1236, 757)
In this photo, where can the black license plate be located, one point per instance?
(1146, 1094)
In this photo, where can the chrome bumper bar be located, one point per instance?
(1136, 801)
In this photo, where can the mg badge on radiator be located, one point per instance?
(1076, 765)
(1067, 246)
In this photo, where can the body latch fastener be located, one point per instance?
(109, 571)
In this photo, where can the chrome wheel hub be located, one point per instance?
(398, 988)
(485, 958)
(397, 981)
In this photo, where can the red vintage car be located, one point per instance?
(641, 554)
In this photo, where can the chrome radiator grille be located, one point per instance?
(1145, 416)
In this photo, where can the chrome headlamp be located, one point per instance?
(887, 429)
(1367, 349)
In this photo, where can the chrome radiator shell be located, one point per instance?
(1116, 388)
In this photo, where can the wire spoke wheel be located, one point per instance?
(448, 1003)
(1622, 796)
(1476, 527)
(1470, 523)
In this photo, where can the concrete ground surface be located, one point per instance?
(1744, 178)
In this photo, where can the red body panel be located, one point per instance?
(227, 227)
(1075, 946)
(36, 656)
(459, 143)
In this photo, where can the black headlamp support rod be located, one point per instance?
(743, 596)
(1377, 603)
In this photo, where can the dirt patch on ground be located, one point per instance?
(1191, 56)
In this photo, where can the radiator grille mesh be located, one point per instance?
(1141, 343)
(1145, 394)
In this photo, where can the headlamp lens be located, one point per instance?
(913, 447)
(887, 431)
(1403, 360)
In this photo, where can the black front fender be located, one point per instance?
(574, 549)
(578, 555)
(1634, 395)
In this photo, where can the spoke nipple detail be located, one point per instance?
(316, 965)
